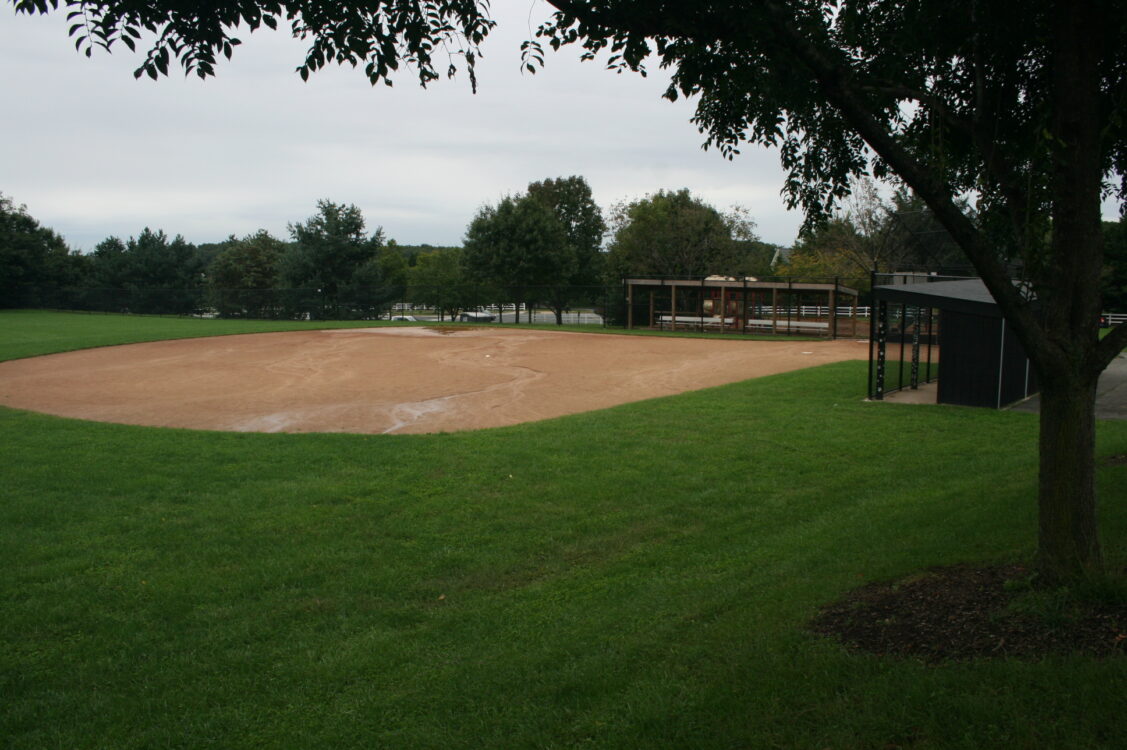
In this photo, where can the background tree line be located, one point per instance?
(550, 246)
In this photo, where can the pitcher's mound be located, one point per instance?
(384, 380)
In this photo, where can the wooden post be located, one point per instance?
(833, 311)
(651, 308)
(775, 310)
(743, 325)
(629, 305)
(723, 306)
(673, 311)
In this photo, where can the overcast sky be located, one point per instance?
(93, 152)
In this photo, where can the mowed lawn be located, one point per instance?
(630, 578)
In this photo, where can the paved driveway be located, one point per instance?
(1111, 395)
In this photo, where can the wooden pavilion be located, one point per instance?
(743, 305)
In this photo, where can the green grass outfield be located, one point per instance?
(630, 578)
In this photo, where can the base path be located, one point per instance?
(387, 380)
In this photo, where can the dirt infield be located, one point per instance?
(387, 380)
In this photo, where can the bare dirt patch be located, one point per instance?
(387, 380)
(967, 612)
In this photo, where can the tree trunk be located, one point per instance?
(559, 315)
(1069, 291)
(1068, 543)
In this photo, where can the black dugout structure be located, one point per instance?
(949, 330)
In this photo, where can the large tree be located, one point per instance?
(331, 255)
(243, 279)
(571, 200)
(519, 247)
(438, 280)
(35, 263)
(1018, 103)
(149, 273)
(673, 233)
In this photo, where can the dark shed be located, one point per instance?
(981, 361)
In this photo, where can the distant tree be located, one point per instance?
(676, 234)
(149, 273)
(207, 252)
(926, 244)
(518, 246)
(757, 258)
(870, 234)
(35, 263)
(376, 284)
(832, 249)
(438, 280)
(1115, 266)
(571, 200)
(108, 276)
(327, 254)
(393, 267)
(243, 279)
(162, 277)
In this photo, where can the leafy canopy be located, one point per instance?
(677, 234)
(518, 245)
(380, 36)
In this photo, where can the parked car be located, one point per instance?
(407, 318)
(475, 317)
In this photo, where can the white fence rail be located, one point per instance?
(1115, 318)
(813, 311)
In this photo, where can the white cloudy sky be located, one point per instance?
(93, 152)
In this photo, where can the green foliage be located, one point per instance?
(571, 200)
(926, 244)
(1115, 266)
(411, 253)
(328, 248)
(243, 278)
(35, 263)
(148, 273)
(518, 246)
(869, 234)
(676, 234)
(334, 267)
(437, 280)
(380, 37)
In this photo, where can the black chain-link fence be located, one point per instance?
(586, 305)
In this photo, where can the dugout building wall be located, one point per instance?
(981, 362)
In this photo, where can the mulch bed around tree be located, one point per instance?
(967, 612)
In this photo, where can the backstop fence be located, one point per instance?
(574, 305)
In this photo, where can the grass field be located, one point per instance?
(630, 578)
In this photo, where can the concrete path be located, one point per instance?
(1111, 394)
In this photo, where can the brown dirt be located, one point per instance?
(966, 612)
(387, 380)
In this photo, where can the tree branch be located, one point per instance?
(835, 83)
(1110, 347)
